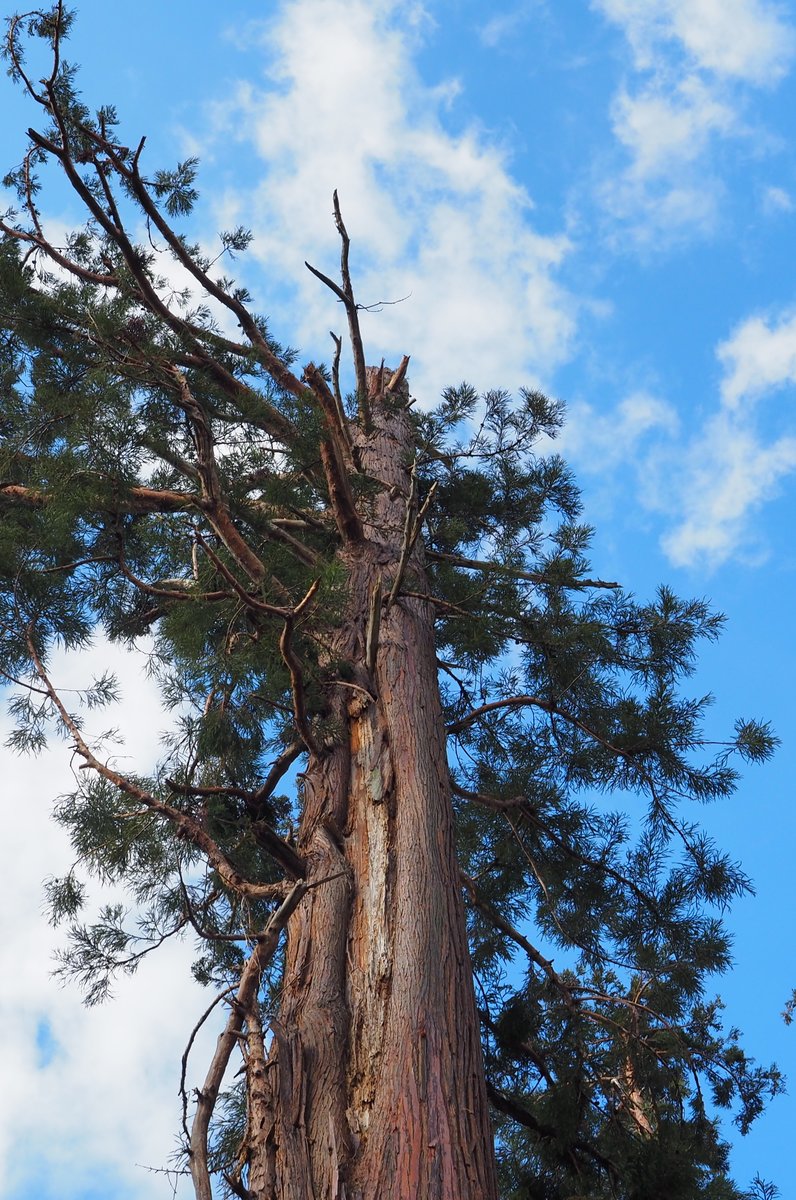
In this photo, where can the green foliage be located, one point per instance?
(135, 434)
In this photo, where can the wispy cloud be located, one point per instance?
(775, 201)
(434, 217)
(618, 438)
(729, 471)
(749, 40)
(711, 485)
(505, 24)
(705, 482)
(694, 63)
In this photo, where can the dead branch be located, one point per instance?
(353, 317)
(296, 674)
(398, 376)
(338, 396)
(474, 564)
(346, 295)
(334, 452)
(137, 501)
(186, 1054)
(412, 527)
(206, 1097)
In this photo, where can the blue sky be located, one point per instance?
(595, 198)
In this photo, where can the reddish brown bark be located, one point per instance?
(375, 1078)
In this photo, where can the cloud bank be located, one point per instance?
(435, 217)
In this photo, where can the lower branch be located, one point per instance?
(241, 1006)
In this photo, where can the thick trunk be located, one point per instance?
(375, 1077)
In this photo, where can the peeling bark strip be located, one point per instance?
(375, 1077)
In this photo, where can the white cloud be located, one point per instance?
(613, 438)
(432, 215)
(102, 1102)
(697, 60)
(728, 474)
(502, 26)
(776, 200)
(664, 129)
(747, 40)
(711, 486)
(707, 481)
(741, 39)
(759, 356)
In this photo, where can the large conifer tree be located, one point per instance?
(402, 709)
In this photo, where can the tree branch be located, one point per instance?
(353, 317)
(522, 1116)
(186, 826)
(535, 956)
(546, 706)
(333, 455)
(475, 564)
(296, 675)
(206, 1097)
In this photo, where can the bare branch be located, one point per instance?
(334, 450)
(474, 564)
(398, 376)
(278, 768)
(206, 1097)
(138, 500)
(296, 674)
(186, 1054)
(338, 396)
(353, 316)
(346, 295)
(411, 532)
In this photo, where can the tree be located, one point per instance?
(387, 612)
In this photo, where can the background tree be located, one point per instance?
(384, 612)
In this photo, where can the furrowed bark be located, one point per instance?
(375, 1073)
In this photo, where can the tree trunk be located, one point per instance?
(375, 1076)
